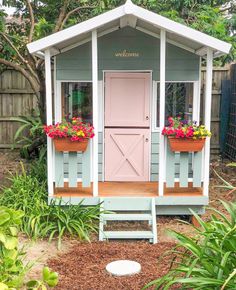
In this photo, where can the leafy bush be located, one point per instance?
(30, 135)
(12, 269)
(38, 169)
(41, 220)
(207, 261)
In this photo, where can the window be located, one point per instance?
(179, 100)
(77, 100)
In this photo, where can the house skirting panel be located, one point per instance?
(164, 205)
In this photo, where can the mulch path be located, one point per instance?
(84, 267)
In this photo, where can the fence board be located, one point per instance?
(16, 99)
(219, 74)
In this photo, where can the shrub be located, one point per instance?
(38, 169)
(12, 269)
(207, 261)
(41, 220)
(30, 135)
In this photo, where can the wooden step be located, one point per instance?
(127, 235)
(126, 217)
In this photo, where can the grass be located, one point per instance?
(28, 193)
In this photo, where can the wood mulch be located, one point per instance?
(84, 266)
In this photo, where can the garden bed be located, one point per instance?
(82, 265)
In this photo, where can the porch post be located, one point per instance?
(95, 110)
(162, 158)
(207, 119)
(48, 82)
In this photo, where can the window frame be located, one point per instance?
(58, 99)
(196, 101)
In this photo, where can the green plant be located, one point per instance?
(207, 261)
(12, 269)
(41, 220)
(30, 136)
(226, 185)
(38, 169)
(75, 129)
(181, 128)
(49, 278)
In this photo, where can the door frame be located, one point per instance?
(150, 119)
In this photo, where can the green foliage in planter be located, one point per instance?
(41, 220)
(12, 269)
(207, 261)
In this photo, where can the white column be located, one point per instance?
(48, 82)
(207, 119)
(162, 112)
(95, 110)
(197, 95)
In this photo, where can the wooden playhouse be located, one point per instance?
(132, 68)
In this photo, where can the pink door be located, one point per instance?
(127, 132)
(127, 99)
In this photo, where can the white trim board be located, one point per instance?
(130, 9)
(196, 102)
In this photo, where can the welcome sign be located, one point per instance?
(126, 53)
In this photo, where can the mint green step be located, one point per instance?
(128, 235)
(127, 217)
(126, 209)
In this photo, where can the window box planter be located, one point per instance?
(65, 144)
(186, 145)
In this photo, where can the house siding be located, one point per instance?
(76, 63)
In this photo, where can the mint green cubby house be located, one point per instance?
(125, 71)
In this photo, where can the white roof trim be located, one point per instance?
(180, 29)
(129, 9)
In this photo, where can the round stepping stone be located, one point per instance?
(123, 268)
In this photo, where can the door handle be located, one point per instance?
(146, 140)
(147, 118)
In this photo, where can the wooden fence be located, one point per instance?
(219, 74)
(17, 99)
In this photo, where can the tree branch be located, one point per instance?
(72, 12)
(32, 21)
(61, 15)
(20, 57)
(17, 67)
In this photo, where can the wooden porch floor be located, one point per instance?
(139, 189)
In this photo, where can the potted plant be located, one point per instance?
(184, 135)
(70, 135)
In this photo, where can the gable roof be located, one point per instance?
(132, 15)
